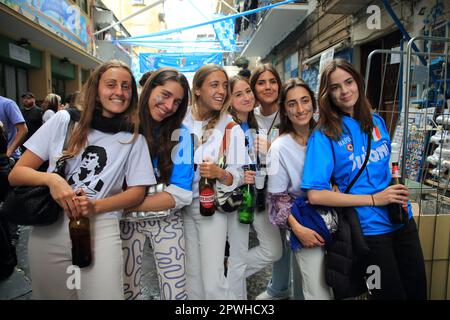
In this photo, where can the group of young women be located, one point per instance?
(171, 137)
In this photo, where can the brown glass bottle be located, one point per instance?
(206, 197)
(397, 213)
(80, 234)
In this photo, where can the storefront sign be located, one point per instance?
(19, 53)
(325, 58)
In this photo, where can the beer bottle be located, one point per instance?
(246, 210)
(80, 234)
(397, 213)
(206, 197)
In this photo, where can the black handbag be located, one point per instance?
(34, 205)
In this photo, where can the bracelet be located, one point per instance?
(373, 201)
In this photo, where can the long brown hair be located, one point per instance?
(158, 133)
(330, 116)
(258, 71)
(285, 123)
(197, 82)
(90, 102)
(252, 123)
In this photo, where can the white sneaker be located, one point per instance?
(267, 296)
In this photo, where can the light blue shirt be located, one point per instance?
(10, 115)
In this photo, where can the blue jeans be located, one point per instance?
(279, 284)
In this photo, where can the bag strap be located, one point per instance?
(369, 142)
(225, 139)
(73, 118)
(68, 134)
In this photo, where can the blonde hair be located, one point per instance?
(52, 102)
(197, 82)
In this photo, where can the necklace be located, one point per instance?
(301, 140)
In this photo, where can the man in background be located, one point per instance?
(32, 113)
(15, 130)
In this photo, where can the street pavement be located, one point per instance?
(18, 285)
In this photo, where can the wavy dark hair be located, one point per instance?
(258, 71)
(89, 101)
(252, 123)
(285, 123)
(158, 134)
(330, 115)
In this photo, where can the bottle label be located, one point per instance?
(395, 172)
(206, 198)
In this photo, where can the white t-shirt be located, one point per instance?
(264, 123)
(210, 150)
(101, 168)
(47, 115)
(289, 157)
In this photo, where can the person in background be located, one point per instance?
(162, 106)
(51, 105)
(74, 102)
(346, 122)
(144, 78)
(15, 130)
(4, 165)
(31, 113)
(107, 140)
(245, 73)
(14, 126)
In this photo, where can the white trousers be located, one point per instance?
(50, 259)
(244, 262)
(205, 246)
(312, 268)
(238, 240)
(270, 247)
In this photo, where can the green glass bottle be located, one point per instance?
(246, 210)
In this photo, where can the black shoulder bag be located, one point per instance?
(344, 270)
(34, 205)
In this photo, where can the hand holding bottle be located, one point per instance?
(86, 207)
(63, 194)
(397, 193)
(249, 177)
(210, 170)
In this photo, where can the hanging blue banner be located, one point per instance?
(183, 62)
(225, 34)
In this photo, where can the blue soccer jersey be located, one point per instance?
(342, 159)
(183, 169)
